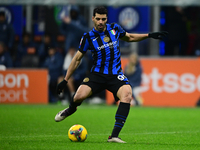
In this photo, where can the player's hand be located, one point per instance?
(61, 86)
(158, 35)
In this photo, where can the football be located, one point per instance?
(77, 133)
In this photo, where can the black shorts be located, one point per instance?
(99, 82)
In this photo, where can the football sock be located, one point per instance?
(73, 105)
(120, 118)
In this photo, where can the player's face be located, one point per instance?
(100, 21)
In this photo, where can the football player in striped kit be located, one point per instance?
(106, 72)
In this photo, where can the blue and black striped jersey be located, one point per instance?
(105, 48)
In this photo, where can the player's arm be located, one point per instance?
(74, 64)
(84, 45)
(72, 67)
(131, 37)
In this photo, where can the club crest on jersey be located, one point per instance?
(113, 32)
(106, 39)
(86, 80)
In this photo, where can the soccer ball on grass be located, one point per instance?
(77, 133)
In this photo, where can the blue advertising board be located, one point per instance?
(132, 19)
(14, 15)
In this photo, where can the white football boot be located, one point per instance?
(115, 140)
(62, 115)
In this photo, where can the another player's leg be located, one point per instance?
(125, 95)
(82, 93)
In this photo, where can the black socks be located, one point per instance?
(73, 105)
(120, 118)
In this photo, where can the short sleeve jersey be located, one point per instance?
(105, 48)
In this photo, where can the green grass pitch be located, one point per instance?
(32, 127)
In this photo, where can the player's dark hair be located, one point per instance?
(100, 10)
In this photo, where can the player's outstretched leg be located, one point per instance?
(63, 114)
(82, 93)
(67, 112)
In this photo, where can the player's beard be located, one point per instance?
(100, 27)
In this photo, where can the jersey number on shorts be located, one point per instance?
(121, 77)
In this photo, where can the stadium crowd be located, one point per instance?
(55, 52)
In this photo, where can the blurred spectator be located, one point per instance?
(44, 46)
(30, 60)
(193, 23)
(176, 26)
(6, 31)
(53, 63)
(5, 58)
(133, 71)
(78, 74)
(197, 47)
(73, 27)
(26, 46)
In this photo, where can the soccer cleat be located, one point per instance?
(115, 140)
(62, 115)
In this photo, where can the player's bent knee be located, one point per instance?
(127, 98)
(82, 93)
(79, 97)
(125, 94)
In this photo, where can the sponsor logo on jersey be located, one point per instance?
(111, 44)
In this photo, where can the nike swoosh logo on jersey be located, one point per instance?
(95, 39)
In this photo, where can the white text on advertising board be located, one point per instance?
(13, 87)
(170, 82)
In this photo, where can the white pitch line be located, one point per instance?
(46, 136)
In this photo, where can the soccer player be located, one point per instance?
(106, 72)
